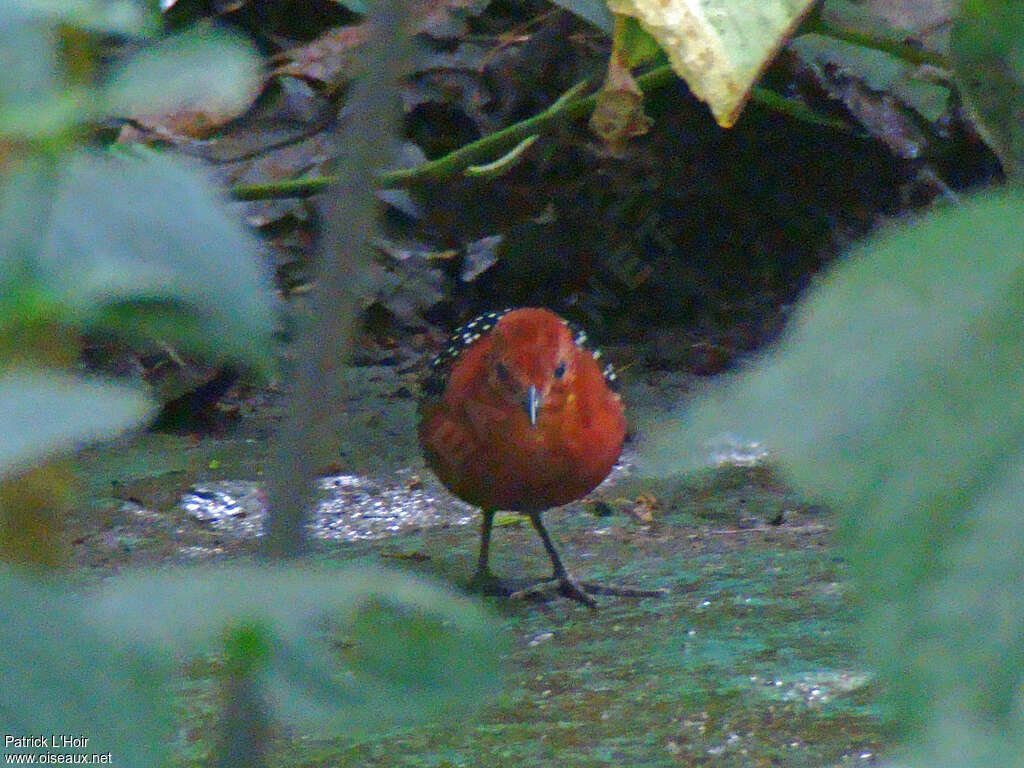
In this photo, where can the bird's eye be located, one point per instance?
(560, 370)
(503, 375)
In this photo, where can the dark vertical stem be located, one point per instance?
(363, 140)
(242, 737)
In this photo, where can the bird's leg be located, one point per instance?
(483, 567)
(483, 579)
(567, 585)
(581, 591)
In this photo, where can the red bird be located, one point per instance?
(517, 415)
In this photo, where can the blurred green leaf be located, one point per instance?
(851, 15)
(25, 73)
(898, 394)
(43, 116)
(58, 677)
(37, 102)
(116, 16)
(144, 243)
(45, 412)
(350, 648)
(247, 646)
(916, 33)
(965, 631)
(987, 47)
(883, 344)
(26, 200)
(214, 72)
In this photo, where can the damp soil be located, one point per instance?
(748, 659)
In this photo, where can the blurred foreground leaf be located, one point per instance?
(350, 649)
(987, 47)
(43, 412)
(898, 394)
(204, 77)
(58, 677)
(34, 505)
(143, 246)
(118, 16)
(40, 102)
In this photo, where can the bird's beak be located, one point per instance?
(533, 403)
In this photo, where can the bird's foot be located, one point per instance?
(566, 586)
(582, 591)
(608, 589)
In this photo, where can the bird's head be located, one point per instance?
(533, 360)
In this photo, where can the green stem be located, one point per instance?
(273, 190)
(495, 143)
(461, 158)
(488, 146)
(799, 111)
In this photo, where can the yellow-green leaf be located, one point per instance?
(720, 47)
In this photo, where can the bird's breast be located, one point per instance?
(492, 456)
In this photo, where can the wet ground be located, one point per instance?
(745, 662)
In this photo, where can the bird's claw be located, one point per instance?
(582, 591)
(573, 590)
(605, 589)
(565, 586)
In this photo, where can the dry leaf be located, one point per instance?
(331, 59)
(619, 115)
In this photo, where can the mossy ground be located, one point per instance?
(749, 660)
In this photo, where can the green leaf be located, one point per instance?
(966, 629)
(352, 648)
(107, 16)
(27, 75)
(356, 6)
(637, 44)
(880, 71)
(213, 71)
(44, 413)
(144, 243)
(987, 47)
(26, 199)
(593, 11)
(37, 104)
(58, 677)
(898, 395)
(46, 116)
(719, 47)
(878, 345)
